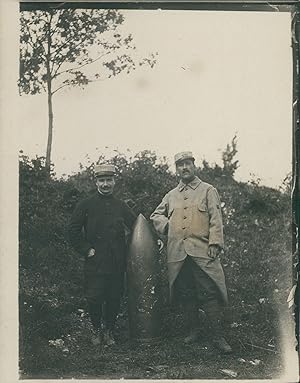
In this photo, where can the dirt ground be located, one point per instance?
(74, 357)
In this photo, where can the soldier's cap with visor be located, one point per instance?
(183, 156)
(104, 170)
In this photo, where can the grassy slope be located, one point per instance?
(257, 263)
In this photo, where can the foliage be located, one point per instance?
(141, 179)
(59, 48)
(64, 40)
(53, 318)
(228, 155)
(286, 186)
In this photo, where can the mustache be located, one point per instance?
(105, 187)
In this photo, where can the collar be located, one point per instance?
(100, 195)
(193, 184)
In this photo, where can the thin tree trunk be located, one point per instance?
(49, 95)
(50, 126)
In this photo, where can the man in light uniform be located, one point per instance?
(97, 231)
(190, 215)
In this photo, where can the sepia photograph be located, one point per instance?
(154, 147)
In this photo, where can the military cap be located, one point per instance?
(184, 156)
(104, 170)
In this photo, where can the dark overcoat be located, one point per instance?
(101, 222)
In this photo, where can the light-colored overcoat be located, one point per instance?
(191, 217)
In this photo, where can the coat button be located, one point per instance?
(183, 228)
(184, 217)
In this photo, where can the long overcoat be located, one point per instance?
(191, 217)
(100, 222)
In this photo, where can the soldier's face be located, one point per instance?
(186, 170)
(105, 184)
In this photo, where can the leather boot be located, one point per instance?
(97, 337)
(108, 338)
(214, 315)
(193, 336)
(193, 323)
(221, 344)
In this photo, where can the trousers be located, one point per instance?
(193, 283)
(195, 289)
(103, 293)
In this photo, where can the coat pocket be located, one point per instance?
(202, 208)
(201, 222)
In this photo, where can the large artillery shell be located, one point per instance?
(143, 276)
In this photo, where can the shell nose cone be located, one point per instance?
(140, 220)
(142, 235)
(141, 227)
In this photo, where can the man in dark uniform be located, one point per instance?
(97, 230)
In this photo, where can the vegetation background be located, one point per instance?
(54, 327)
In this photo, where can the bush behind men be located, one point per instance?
(190, 215)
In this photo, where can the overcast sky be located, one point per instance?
(218, 74)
